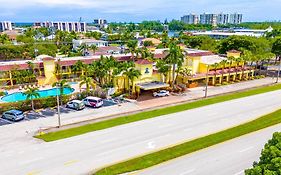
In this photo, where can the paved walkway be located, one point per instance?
(21, 133)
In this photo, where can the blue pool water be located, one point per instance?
(19, 96)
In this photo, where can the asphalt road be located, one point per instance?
(229, 158)
(81, 154)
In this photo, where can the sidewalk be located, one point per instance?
(21, 133)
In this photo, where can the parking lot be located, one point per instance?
(52, 112)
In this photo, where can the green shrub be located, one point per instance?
(218, 84)
(225, 83)
(2, 93)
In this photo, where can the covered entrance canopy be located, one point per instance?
(152, 85)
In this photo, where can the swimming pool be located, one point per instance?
(19, 96)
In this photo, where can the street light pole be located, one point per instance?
(207, 81)
(278, 73)
(58, 102)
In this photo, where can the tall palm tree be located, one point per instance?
(175, 57)
(132, 45)
(131, 74)
(30, 94)
(88, 81)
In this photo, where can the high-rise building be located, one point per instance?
(235, 18)
(222, 18)
(190, 19)
(63, 26)
(207, 18)
(100, 21)
(5, 25)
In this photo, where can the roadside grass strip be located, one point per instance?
(57, 135)
(173, 152)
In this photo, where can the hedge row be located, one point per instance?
(38, 103)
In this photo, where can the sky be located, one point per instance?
(133, 11)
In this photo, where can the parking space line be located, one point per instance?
(68, 163)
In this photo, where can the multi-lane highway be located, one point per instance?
(81, 154)
(229, 158)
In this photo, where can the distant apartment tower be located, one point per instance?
(222, 18)
(100, 21)
(190, 19)
(235, 18)
(63, 26)
(5, 25)
(207, 18)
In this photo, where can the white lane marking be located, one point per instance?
(240, 172)
(246, 149)
(188, 172)
(151, 145)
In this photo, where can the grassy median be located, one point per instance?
(191, 146)
(52, 136)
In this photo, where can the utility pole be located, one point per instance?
(207, 81)
(58, 102)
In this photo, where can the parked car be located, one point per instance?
(13, 115)
(76, 104)
(161, 93)
(93, 102)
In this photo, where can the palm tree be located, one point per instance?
(94, 48)
(84, 48)
(230, 62)
(30, 94)
(62, 85)
(131, 74)
(132, 45)
(88, 81)
(78, 67)
(163, 68)
(175, 57)
(223, 63)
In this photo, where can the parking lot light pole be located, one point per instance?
(207, 81)
(58, 102)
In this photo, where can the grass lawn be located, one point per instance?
(52, 136)
(191, 146)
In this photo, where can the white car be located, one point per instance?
(162, 93)
(93, 102)
(75, 104)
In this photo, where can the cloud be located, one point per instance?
(132, 10)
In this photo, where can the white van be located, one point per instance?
(93, 102)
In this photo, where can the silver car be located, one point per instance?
(13, 115)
